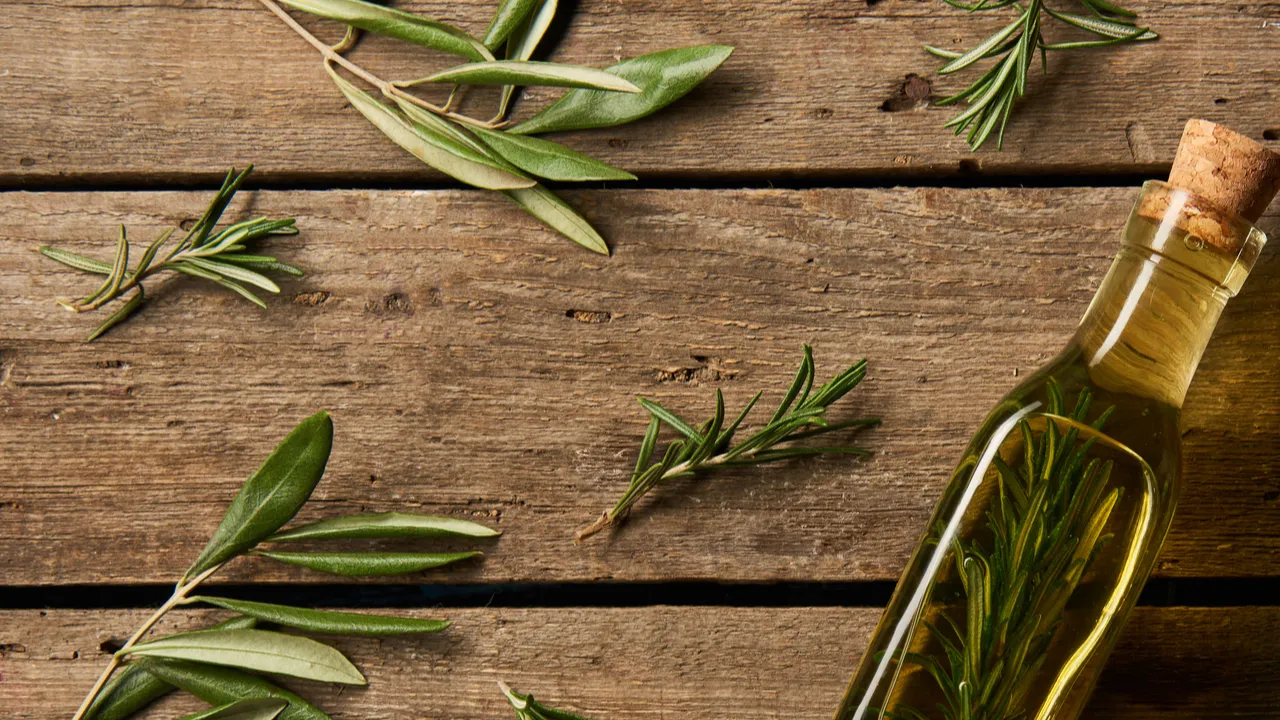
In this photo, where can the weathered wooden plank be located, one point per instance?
(705, 662)
(143, 91)
(480, 368)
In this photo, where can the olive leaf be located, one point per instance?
(455, 139)
(527, 72)
(397, 24)
(384, 525)
(356, 563)
(134, 689)
(544, 205)
(430, 147)
(272, 495)
(529, 709)
(253, 709)
(266, 501)
(327, 621)
(127, 693)
(663, 77)
(524, 41)
(222, 685)
(261, 650)
(511, 14)
(548, 159)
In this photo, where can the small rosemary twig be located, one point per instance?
(217, 257)
(992, 96)
(801, 415)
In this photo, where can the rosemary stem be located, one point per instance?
(388, 88)
(609, 517)
(179, 597)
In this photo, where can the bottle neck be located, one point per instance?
(1148, 325)
(1152, 317)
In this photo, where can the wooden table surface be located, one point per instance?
(478, 366)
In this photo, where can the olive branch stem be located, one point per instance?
(333, 54)
(179, 597)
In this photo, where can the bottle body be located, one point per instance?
(1054, 517)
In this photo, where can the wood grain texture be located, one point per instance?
(477, 367)
(146, 91)
(706, 662)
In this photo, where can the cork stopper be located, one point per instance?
(1235, 174)
(1229, 177)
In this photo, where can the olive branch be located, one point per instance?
(491, 154)
(217, 664)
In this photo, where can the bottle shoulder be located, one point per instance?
(1065, 387)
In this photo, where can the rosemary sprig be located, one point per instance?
(529, 709)
(992, 96)
(1046, 527)
(490, 154)
(217, 257)
(710, 446)
(212, 664)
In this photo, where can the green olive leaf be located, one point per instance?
(125, 694)
(527, 37)
(221, 685)
(511, 14)
(272, 495)
(548, 159)
(528, 72)
(384, 525)
(261, 650)
(430, 147)
(356, 563)
(663, 77)
(327, 621)
(132, 689)
(397, 24)
(455, 140)
(253, 709)
(524, 41)
(544, 205)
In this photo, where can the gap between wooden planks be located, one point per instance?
(479, 367)
(181, 91)
(637, 663)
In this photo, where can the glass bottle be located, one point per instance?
(1051, 524)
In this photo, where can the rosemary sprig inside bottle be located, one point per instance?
(1046, 527)
(710, 446)
(217, 257)
(992, 96)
